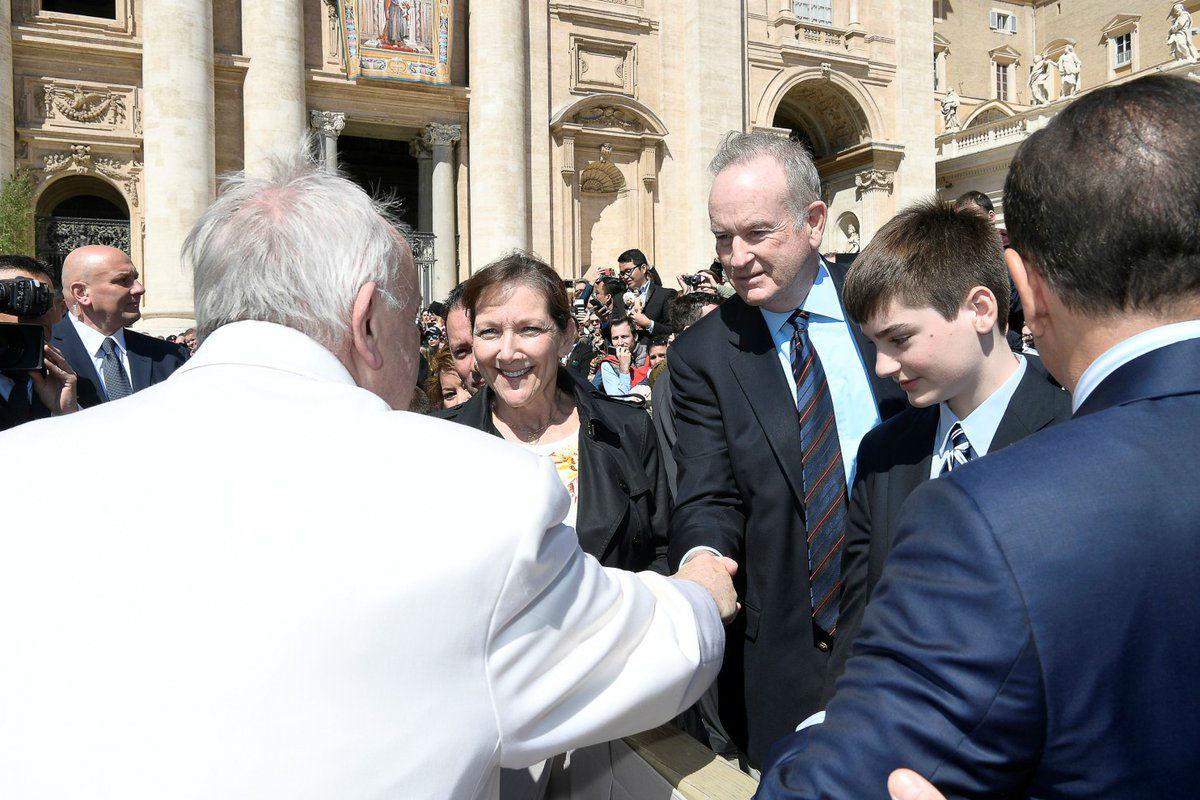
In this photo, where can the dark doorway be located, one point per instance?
(80, 220)
(106, 9)
(385, 168)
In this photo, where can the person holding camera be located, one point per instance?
(28, 295)
(104, 297)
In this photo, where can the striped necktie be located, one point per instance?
(824, 477)
(116, 382)
(960, 449)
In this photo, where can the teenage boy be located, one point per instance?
(931, 290)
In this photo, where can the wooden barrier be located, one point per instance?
(694, 771)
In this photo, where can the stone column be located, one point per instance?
(443, 209)
(177, 79)
(915, 110)
(499, 134)
(7, 122)
(273, 104)
(420, 150)
(328, 125)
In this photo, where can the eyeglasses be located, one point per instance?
(625, 273)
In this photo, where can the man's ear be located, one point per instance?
(364, 327)
(79, 294)
(816, 216)
(1031, 287)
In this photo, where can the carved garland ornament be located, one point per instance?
(83, 106)
(609, 117)
(80, 162)
(874, 180)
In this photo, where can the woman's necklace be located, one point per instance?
(532, 434)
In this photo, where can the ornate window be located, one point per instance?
(815, 10)
(1121, 36)
(1001, 76)
(1004, 62)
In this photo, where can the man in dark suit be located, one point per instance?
(931, 292)
(636, 272)
(103, 297)
(1039, 637)
(772, 395)
(26, 396)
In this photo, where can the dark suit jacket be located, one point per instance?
(151, 361)
(1036, 637)
(623, 500)
(893, 460)
(19, 408)
(739, 492)
(658, 301)
(663, 410)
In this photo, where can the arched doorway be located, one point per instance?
(79, 210)
(836, 121)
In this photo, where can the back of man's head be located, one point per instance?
(931, 254)
(975, 199)
(685, 310)
(295, 247)
(1102, 202)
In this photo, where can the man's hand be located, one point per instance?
(904, 784)
(624, 358)
(56, 389)
(641, 320)
(714, 573)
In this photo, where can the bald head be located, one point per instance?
(101, 287)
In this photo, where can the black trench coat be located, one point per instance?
(623, 512)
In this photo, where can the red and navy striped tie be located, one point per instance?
(824, 476)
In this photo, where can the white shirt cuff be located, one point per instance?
(695, 550)
(815, 719)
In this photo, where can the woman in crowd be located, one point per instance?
(443, 386)
(606, 452)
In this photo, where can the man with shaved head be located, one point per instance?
(103, 296)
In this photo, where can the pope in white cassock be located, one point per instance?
(316, 614)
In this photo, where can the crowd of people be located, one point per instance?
(853, 523)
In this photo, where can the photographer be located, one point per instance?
(26, 396)
(710, 280)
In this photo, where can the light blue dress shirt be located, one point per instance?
(980, 425)
(613, 382)
(1122, 353)
(853, 400)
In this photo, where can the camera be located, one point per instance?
(20, 343)
(24, 297)
(693, 280)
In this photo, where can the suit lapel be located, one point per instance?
(67, 340)
(1030, 409)
(756, 366)
(139, 365)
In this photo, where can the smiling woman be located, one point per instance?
(605, 451)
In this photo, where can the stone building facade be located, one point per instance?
(572, 128)
(1008, 61)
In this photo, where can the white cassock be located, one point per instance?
(254, 580)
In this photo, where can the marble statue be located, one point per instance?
(852, 238)
(1179, 36)
(1039, 80)
(1068, 68)
(950, 112)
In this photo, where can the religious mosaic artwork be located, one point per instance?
(406, 40)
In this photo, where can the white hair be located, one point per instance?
(803, 181)
(294, 247)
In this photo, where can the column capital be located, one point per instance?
(329, 123)
(437, 134)
(418, 148)
(874, 180)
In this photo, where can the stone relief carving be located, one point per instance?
(874, 180)
(439, 134)
(80, 105)
(328, 123)
(335, 30)
(1179, 36)
(1039, 80)
(601, 177)
(950, 104)
(80, 161)
(1069, 66)
(609, 117)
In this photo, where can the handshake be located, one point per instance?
(715, 573)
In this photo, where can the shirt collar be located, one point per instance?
(1125, 351)
(93, 339)
(822, 303)
(980, 425)
(645, 290)
(265, 344)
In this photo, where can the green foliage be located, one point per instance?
(16, 214)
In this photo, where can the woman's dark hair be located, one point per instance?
(519, 269)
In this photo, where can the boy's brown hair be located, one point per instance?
(930, 254)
